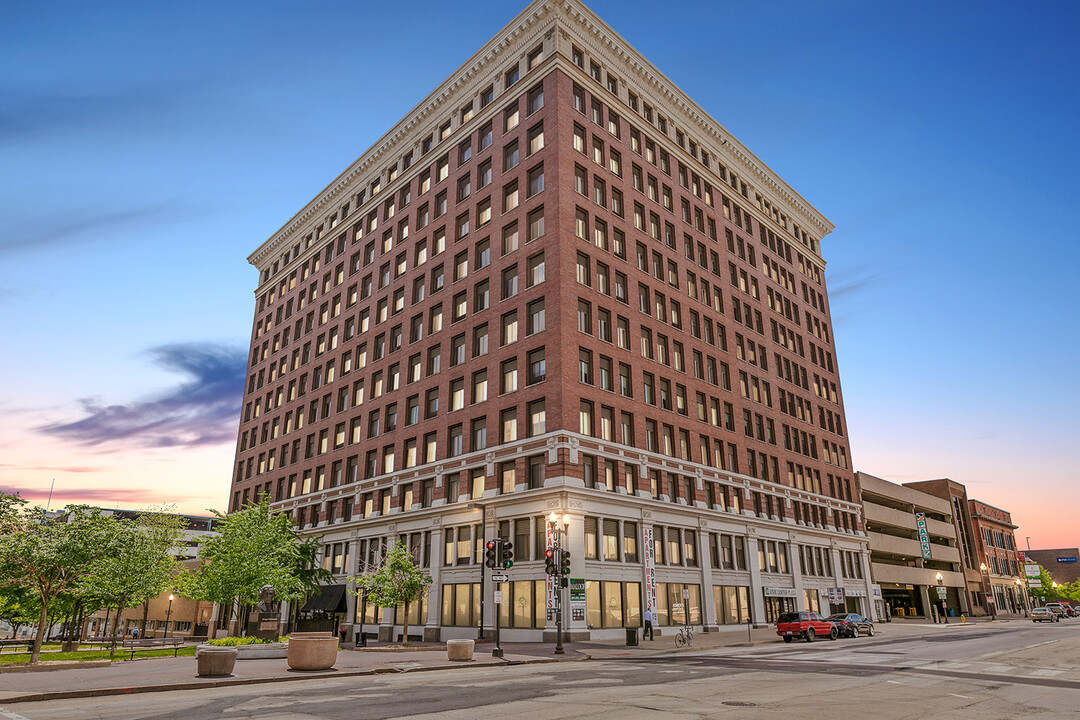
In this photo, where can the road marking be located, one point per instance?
(11, 716)
(1045, 673)
(895, 682)
(960, 696)
(1019, 649)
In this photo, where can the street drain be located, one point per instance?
(738, 703)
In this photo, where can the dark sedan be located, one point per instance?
(852, 624)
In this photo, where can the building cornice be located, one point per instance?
(573, 20)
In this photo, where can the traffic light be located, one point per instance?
(507, 554)
(491, 554)
(564, 561)
(549, 560)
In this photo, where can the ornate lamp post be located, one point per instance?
(1020, 596)
(990, 604)
(944, 605)
(559, 529)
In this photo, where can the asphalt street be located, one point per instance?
(987, 672)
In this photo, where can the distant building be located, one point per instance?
(956, 494)
(913, 543)
(1063, 564)
(160, 616)
(999, 559)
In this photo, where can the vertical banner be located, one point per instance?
(551, 579)
(924, 536)
(650, 570)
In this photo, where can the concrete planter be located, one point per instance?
(262, 651)
(215, 661)
(312, 651)
(459, 650)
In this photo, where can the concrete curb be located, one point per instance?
(229, 682)
(52, 667)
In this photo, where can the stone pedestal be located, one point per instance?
(312, 651)
(215, 661)
(266, 625)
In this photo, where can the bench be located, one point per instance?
(133, 646)
(102, 640)
(17, 643)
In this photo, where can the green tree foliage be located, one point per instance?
(18, 607)
(49, 556)
(255, 547)
(398, 581)
(141, 565)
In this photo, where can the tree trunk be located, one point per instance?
(145, 612)
(405, 626)
(43, 627)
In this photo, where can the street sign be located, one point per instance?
(498, 596)
(942, 593)
(686, 593)
(499, 578)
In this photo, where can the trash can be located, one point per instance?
(631, 636)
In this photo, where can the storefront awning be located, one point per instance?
(330, 600)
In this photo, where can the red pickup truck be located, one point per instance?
(807, 625)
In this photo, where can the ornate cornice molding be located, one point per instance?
(577, 23)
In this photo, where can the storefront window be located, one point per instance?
(460, 605)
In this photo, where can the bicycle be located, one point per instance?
(684, 638)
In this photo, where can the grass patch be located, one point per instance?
(88, 655)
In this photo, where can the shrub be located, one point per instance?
(246, 640)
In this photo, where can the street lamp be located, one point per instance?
(1020, 596)
(483, 542)
(558, 529)
(941, 596)
(168, 615)
(990, 604)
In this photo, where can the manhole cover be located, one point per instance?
(738, 703)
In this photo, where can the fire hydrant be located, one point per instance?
(962, 618)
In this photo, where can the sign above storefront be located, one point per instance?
(779, 592)
(1069, 559)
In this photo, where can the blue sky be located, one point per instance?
(147, 148)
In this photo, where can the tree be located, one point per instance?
(141, 565)
(17, 607)
(398, 581)
(254, 547)
(48, 556)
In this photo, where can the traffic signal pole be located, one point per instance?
(558, 597)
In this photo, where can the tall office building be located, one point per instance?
(558, 288)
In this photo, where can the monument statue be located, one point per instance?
(267, 602)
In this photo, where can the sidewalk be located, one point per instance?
(163, 674)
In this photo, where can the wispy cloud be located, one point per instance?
(29, 114)
(854, 282)
(91, 495)
(203, 411)
(57, 468)
(81, 224)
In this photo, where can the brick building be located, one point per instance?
(557, 285)
(999, 559)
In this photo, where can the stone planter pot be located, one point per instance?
(262, 651)
(215, 661)
(312, 651)
(460, 650)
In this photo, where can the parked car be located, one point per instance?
(1041, 614)
(1070, 609)
(855, 624)
(805, 625)
(1058, 609)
